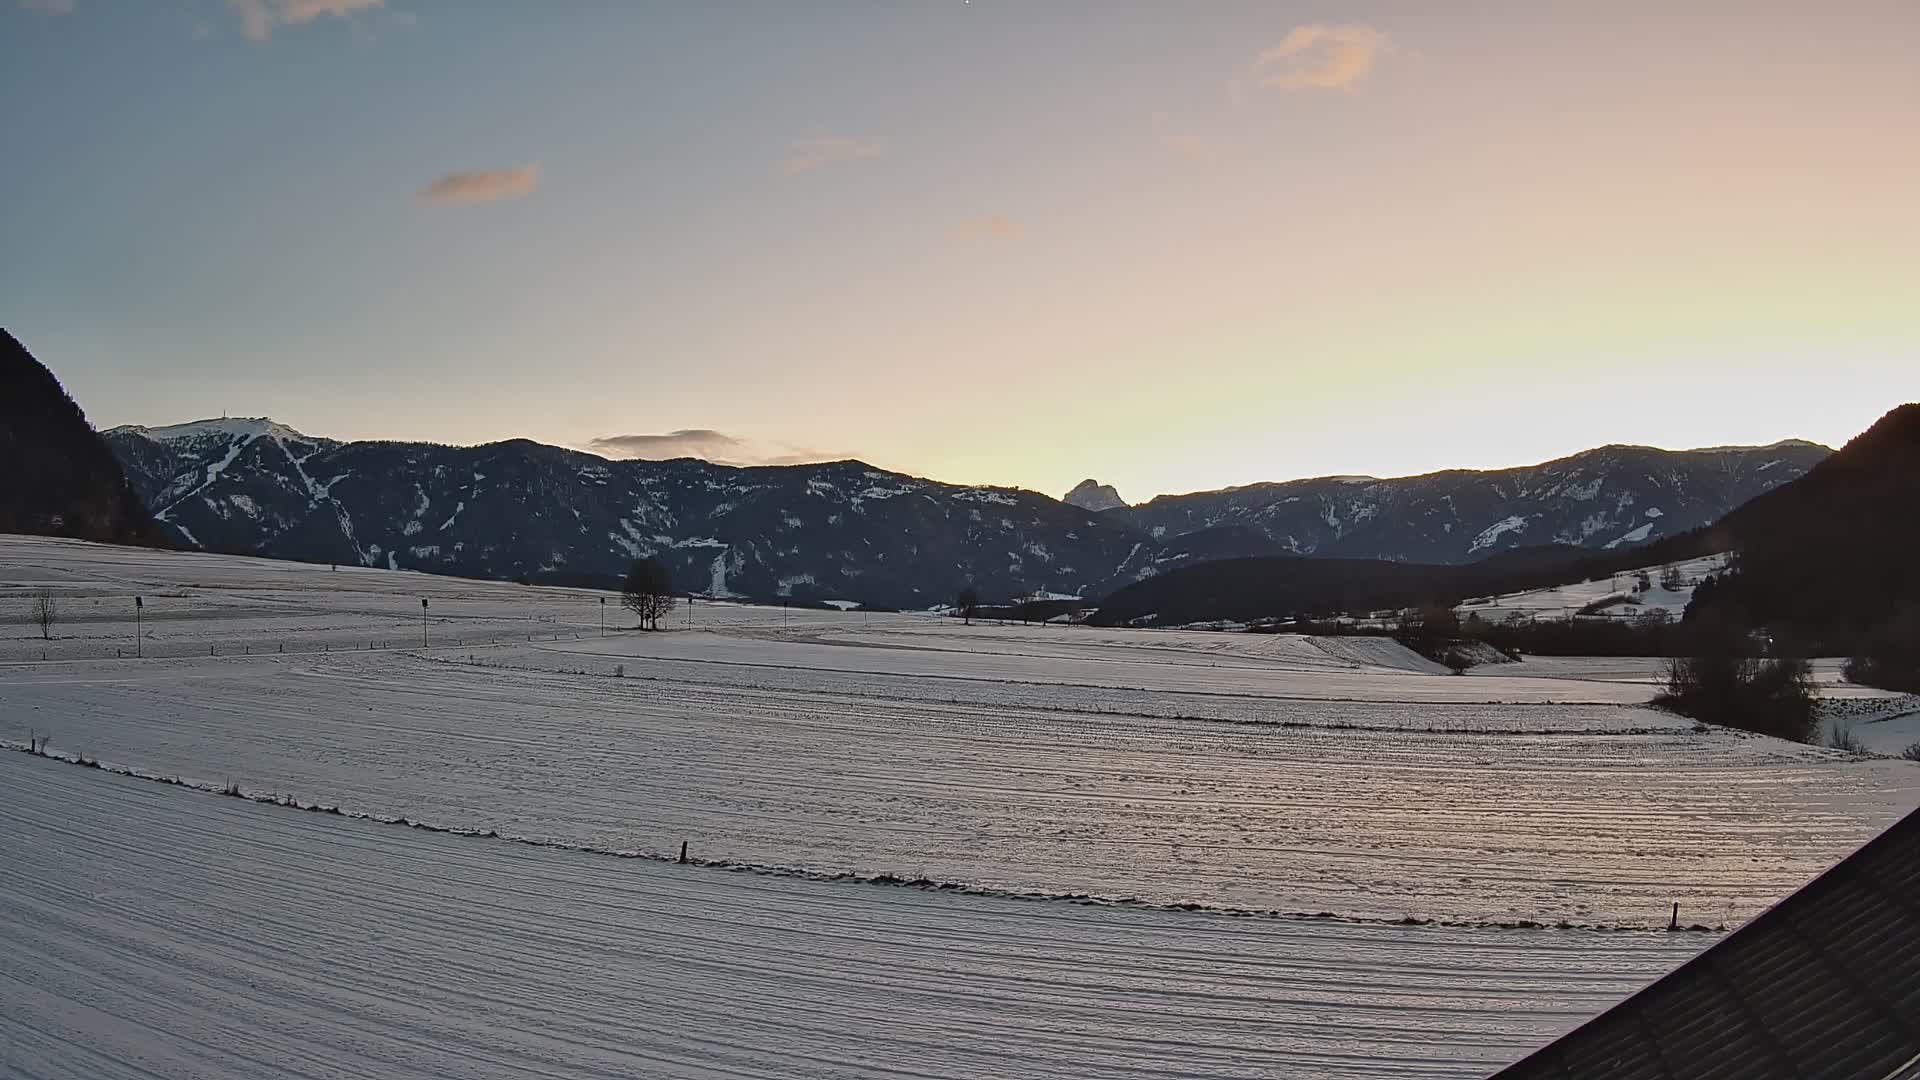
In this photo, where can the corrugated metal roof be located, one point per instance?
(1826, 983)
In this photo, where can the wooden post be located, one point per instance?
(1675, 923)
(683, 853)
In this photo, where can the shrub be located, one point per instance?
(1911, 753)
(1889, 657)
(1843, 738)
(1595, 607)
(1769, 697)
(1885, 673)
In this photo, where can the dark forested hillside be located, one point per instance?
(1244, 590)
(1836, 553)
(57, 478)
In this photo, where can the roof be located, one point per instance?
(1826, 983)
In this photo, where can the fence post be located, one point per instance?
(1674, 924)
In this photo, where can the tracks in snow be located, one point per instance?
(158, 934)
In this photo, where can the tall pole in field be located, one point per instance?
(423, 622)
(603, 616)
(139, 648)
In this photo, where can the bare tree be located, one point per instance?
(647, 592)
(44, 612)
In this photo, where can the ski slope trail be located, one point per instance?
(156, 932)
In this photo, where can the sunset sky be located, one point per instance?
(1172, 246)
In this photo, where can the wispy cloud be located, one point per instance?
(259, 17)
(708, 445)
(49, 7)
(806, 155)
(1319, 57)
(1205, 149)
(991, 227)
(461, 188)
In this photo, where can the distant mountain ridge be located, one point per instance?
(57, 478)
(1824, 563)
(1605, 498)
(847, 531)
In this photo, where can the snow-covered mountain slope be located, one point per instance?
(847, 531)
(1610, 497)
(1090, 494)
(520, 509)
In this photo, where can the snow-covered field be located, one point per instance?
(1129, 827)
(1564, 601)
(158, 932)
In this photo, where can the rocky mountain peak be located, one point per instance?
(1090, 494)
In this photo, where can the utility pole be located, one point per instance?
(423, 622)
(139, 648)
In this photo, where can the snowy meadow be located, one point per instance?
(913, 846)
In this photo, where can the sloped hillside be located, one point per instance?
(57, 478)
(1838, 551)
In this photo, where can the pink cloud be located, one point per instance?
(259, 17)
(1319, 57)
(461, 188)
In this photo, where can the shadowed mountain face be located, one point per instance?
(847, 531)
(1826, 561)
(1834, 554)
(1612, 497)
(57, 478)
(841, 530)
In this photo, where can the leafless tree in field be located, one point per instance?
(44, 613)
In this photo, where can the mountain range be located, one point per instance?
(848, 531)
(1824, 563)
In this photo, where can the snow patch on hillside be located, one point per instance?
(1638, 535)
(1492, 533)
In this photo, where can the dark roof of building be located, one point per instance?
(1826, 983)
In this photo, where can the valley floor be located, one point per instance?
(1164, 852)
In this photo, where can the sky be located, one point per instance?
(1172, 246)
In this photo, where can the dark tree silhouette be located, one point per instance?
(648, 592)
(59, 479)
(966, 603)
